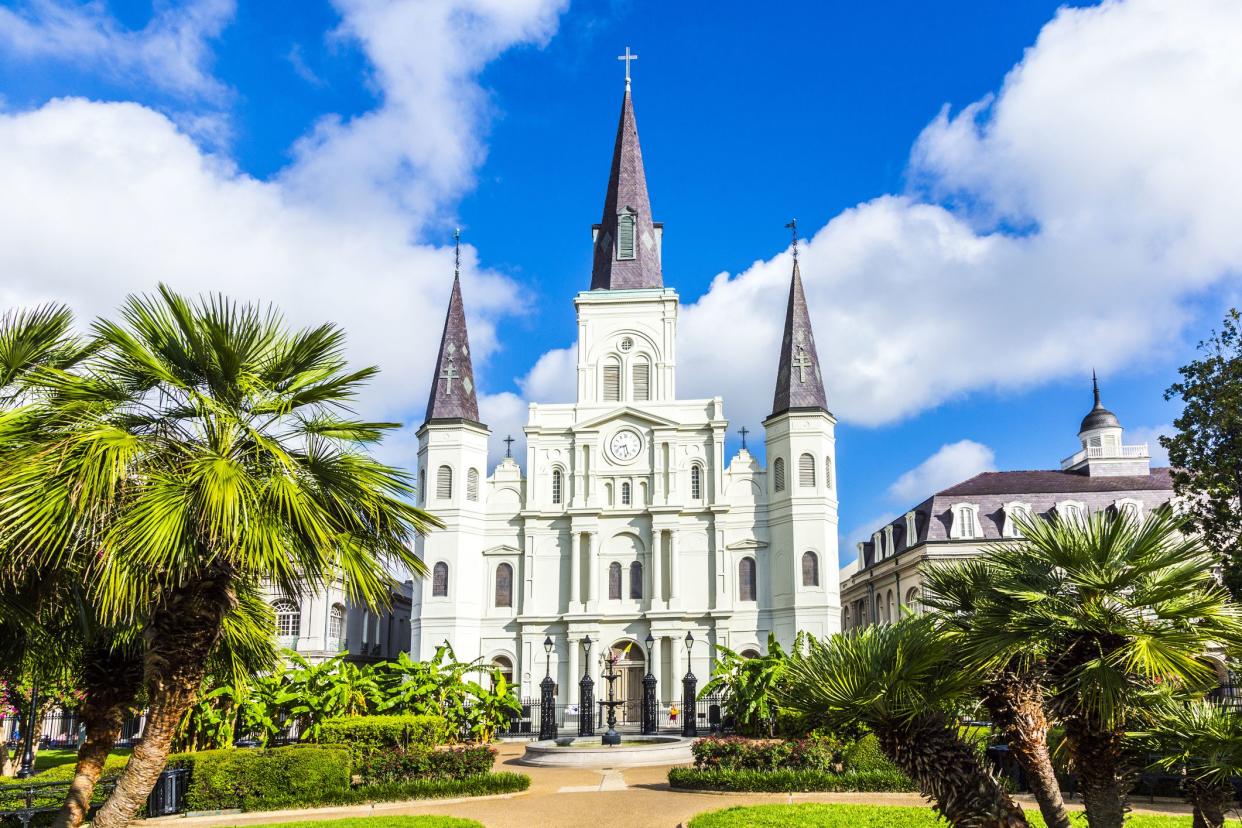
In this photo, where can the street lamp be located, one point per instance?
(651, 708)
(586, 693)
(689, 699)
(547, 697)
(27, 768)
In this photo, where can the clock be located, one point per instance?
(625, 445)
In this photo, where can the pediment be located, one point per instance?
(630, 413)
(502, 550)
(748, 543)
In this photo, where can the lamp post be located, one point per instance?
(586, 693)
(27, 769)
(689, 684)
(651, 708)
(547, 696)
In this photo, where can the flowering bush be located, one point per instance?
(737, 753)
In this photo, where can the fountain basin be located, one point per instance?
(587, 752)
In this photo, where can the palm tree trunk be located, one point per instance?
(1099, 759)
(112, 678)
(1015, 701)
(949, 773)
(1210, 802)
(179, 637)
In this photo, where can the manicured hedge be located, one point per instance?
(866, 755)
(737, 753)
(257, 780)
(426, 763)
(781, 781)
(366, 734)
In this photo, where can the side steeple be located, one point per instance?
(452, 386)
(627, 241)
(799, 382)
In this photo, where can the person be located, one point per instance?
(672, 713)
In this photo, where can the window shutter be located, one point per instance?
(746, 579)
(444, 483)
(806, 472)
(625, 236)
(472, 484)
(439, 580)
(504, 585)
(636, 580)
(810, 569)
(612, 383)
(778, 474)
(614, 581)
(642, 380)
(828, 472)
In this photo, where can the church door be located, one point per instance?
(632, 667)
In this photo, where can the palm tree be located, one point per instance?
(900, 681)
(750, 685)
(1203, 740)
(969, 610)
(1116, 606)
(207, 446)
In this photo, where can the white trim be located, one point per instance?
(1013, 509)
(965, 522)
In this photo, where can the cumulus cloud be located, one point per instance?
(1069, 219)
(172, 52)
(952, 463)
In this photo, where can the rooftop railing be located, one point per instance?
(1136, 452)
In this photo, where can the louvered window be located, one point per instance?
(422, 486)
(625, 236)
(810, 569)
(472, 485)
(746, 579)
(557, 483)
(636, 580)
(444, 483)
(827, 472)
(626, 497)
(696, 482)
(778, 474)
(642, 380)
(612, 382)
(504, 585)
(806, 472)
(439, 580)
(614, 581)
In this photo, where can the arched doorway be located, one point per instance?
(505, 667)
(631, 668)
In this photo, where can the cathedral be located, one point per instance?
(629, 520)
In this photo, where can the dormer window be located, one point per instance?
(912, 531)
(1072, 511)
(965, 522)
(1015, 512)
(625, 235)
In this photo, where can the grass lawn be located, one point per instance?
(46, 759)
(814, 815)
(385, 822)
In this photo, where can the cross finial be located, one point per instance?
(793, 228)
(627, 57)
(456, 252)
(508, 446)
(743, 431)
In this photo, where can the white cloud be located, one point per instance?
(172, 52)
(952, 463)
(1151, 436)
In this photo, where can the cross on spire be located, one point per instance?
(456, 252)
(793, 227)
(448, 375)
(508, 441)
(743, 431)
(627, 57)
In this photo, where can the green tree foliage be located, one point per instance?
(1206, 451)
(749, 685)
(1203, 740)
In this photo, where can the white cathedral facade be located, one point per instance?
(630, 519)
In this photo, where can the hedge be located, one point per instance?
(782, 781)
(257, 780)
(736, 753)
(366, 734)
(426, 763)
(866, 755)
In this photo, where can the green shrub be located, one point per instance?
(256, 780)
(737, 753)
(364, 735)
(865, 755)
(421, 762)
(781, 781)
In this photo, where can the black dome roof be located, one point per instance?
(1098, 416)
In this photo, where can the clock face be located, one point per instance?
(625, 445)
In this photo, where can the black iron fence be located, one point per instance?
(708, 713)
(63, 730)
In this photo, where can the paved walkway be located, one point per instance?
(574, 797)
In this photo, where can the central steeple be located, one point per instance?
(627, 241)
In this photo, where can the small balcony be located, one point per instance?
(1137, 451)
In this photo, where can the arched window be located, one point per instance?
(614, 581)
(288, 618)
(806, 472)
(612, 381)
(627, 496)
(912, 599)
(625, 235)
(636, 580)
(827, 472)
(810, 569)
(608, 494)
(504, 585)
(444, 483)
(336, 622)
(749, 653)
(504, 666)
(557, 484)
(746, 579)
(640, 379)
(888, 608)
(778, 474)
(696, 482)
(472, 485)
(439, 580)
(422, 487)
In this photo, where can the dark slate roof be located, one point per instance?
(452, 386)
(627, 191)
(799, 381)
(1062, 482)
(1098, 416)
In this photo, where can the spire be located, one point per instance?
(1098, 416)
(452, 385)
(799, 382)
(627, 250)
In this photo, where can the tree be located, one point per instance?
(970, 610)
(1203, 740)
(1117, 607)
(749, 685)
(208, 446)
(901, 682)
(1206, 451)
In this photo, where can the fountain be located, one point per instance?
(611, 737)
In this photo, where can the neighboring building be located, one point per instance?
(629, 518)
(321, 625)
(961, 520)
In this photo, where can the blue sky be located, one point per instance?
(966, 271)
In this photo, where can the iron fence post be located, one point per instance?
(690, 728)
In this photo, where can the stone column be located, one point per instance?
(592, 569)
(657, 666)
(571, 680)
(674, 570)
(657, 581)
(679, 664)
(575, 579)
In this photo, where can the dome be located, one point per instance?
(1098, 416)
